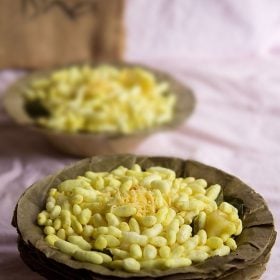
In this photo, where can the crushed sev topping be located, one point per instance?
(140, 198)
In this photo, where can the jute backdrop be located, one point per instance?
(44, 33)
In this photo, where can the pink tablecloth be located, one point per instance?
(227, 51)
(235, 127)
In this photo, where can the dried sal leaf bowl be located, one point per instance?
(134, 217)
(99, 109)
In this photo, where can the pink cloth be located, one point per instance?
(227, 51)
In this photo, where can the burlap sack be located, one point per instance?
(45, 33)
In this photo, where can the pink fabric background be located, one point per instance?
(228, 52)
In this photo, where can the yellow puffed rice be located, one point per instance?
(143, 219)
(101, 99)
